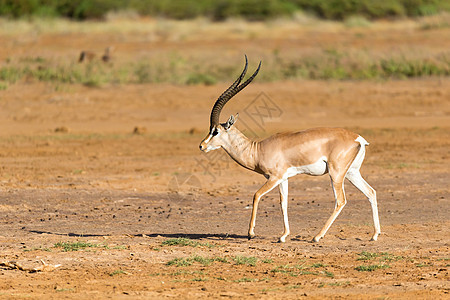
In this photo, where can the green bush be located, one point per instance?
(373, 9)
(200, 78)
(223, 9)
(253, 9)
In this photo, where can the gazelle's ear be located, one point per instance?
(230, 122)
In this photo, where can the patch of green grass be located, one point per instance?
(339, 283)
(304, 272)
(245, 279)
(180, 262)
(302, 269)
(76, 246)
(117, 272)
(3, 85)
(421, 265)
(221, 278)
(284, 269)
(267, 261)
(270, 290)
(185, 242)
(367, 255)
(202, 260)
(184, 262)
(245, 260)
(403, 166)
(200, 78)
(222, 260)
(357, 21)
(180, 242)
(370, 268)
(382, 256)
(389, 257)
(64, 290)
(328, 274)
(184, 272)
(293, 287)
(198, 279)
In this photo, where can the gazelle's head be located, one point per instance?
(219, 134)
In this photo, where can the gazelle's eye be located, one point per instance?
(215, 132)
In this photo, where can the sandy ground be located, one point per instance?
(73, 170)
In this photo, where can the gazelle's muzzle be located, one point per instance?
(204, 144)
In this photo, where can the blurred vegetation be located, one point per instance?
(174, 68)
(223, 9)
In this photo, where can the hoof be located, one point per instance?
(282, 240)
(374, 238)
(315, 239)
(250, 236)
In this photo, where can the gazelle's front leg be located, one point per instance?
(267, 187)
(284, 205)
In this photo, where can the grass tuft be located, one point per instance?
(75, 246)
(117, 272)
(370, 268)
(183, 242)
(185, 262)
(245, 260)
(180, 262)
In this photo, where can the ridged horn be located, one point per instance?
(229, 93)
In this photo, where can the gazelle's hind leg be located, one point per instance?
(337, 183)
(284, 205)
(356, 179)
(354, 176)
(338, 169)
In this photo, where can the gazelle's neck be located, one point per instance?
(241, 149)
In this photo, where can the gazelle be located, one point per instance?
(316, 151)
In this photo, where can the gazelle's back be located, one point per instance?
(295, 149)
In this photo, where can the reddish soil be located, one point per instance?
(73, 170)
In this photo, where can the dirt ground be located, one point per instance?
(117, 169)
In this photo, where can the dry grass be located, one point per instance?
(201, 28)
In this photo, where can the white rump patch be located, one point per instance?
(360, 156)
(316, 169)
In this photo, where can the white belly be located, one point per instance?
(316, 169)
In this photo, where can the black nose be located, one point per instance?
(201, 148)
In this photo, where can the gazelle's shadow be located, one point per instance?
(192, 236)
(196, 236)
